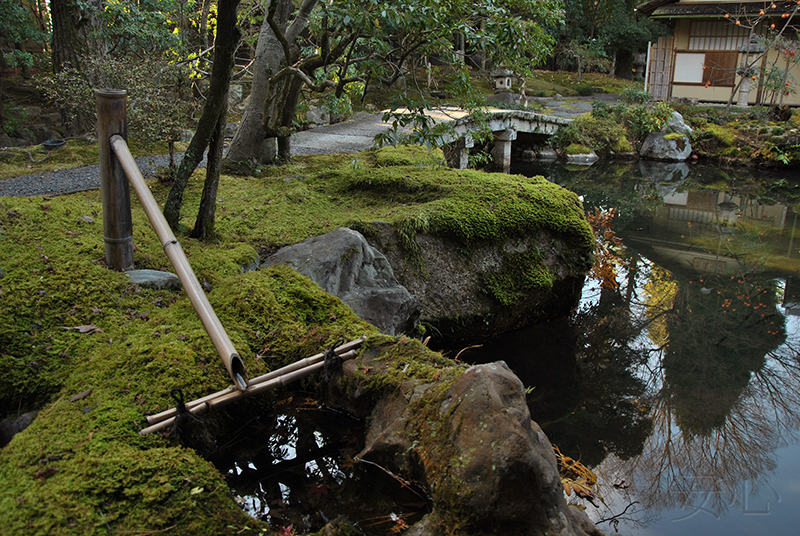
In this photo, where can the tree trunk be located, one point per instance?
(2, 70)
(226, 44)
(75, 44)
(624, 64)
(74, 33)
(279, 113)
(204, 225)
(248, 142)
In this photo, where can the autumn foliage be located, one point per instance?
(606, 261)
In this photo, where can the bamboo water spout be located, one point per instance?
(233, 362)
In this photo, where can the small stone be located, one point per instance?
(154, 279)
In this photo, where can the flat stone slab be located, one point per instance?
(154, 279)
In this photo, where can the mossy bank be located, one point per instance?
(95, 354)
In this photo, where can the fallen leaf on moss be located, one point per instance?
(86, 328)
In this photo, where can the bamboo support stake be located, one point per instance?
(166, 414)
(117, 220)
(233, 362)
(233, 396)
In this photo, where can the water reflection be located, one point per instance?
(680, 384)
(296, 469)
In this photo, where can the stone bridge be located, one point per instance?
(504, 124)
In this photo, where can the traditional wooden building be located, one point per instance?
(718, 47)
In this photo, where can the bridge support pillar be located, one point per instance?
(502, 148)
(458, 152)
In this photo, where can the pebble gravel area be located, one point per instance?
(68, 181)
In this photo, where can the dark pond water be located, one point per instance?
(296, 468)
(678, 381)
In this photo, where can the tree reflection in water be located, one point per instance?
(296, 467)
(692, 343)
(723, 396)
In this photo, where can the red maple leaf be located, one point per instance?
(318, 489)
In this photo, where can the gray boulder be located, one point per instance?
(546, 154)
(583, 159)
(154, 279)
(9, 427)
(666, 147)
(318, 116)
(676, 124)
(346, 266)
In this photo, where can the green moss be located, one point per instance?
(601, 132)
(576, 148)
(409, 155)
(82, 467)
(674, 136)
(722, 135)
(522, 273)
(622, 145)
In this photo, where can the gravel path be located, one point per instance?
(68, 181)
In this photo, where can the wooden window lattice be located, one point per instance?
(717, 35)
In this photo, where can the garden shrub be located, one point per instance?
(160, 102)
(603, 133)
(635, 96)
(614, 129)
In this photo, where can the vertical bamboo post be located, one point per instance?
(117, 220)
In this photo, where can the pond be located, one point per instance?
(677, 380)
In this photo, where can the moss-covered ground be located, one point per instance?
(744, 137)
(70, 327)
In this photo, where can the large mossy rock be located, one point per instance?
(515, 254)
(467, 434)
(663, 147)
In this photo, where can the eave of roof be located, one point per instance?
(670, 9)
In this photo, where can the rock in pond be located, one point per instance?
(666, 147)
(346, 266)
(474, 445)
(451, 288)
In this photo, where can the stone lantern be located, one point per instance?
(502, 79)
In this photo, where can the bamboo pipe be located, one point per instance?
(233, 396)
(166, 414)
(233, 363)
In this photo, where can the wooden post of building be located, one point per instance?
(117, 221)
